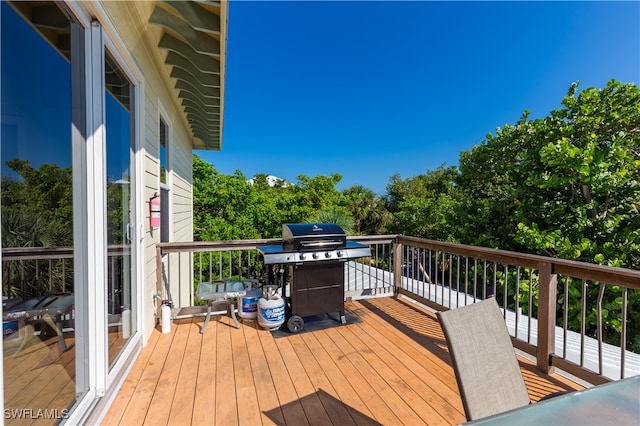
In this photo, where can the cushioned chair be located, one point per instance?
(484, 360)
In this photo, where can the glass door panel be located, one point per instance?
(39, 336)
(119, 131)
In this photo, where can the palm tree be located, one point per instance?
(366, 208)
(339, 216)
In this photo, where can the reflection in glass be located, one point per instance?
(163, 151)
(37, 209)
(119, 222)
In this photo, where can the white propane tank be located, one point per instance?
(271, 311)
(248, 309)
(126, 323)
(166, 319)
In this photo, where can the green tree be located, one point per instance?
(425, 205)
(36, 212)
(46, 193)
(222, 204)
(366, 208)
(583, 182)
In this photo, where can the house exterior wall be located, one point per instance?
(157, 98)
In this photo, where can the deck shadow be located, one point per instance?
(317, 322)
(339, 413)
(423, 328)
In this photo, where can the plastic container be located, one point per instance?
(271, 311)
(166, 319)
(248, 309)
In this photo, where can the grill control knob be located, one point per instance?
(339, 253)
(327, 254)
(316, 255)
(302, 256)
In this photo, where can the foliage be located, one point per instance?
(424, 205)
(337, 215)
(565, 185)
(231, 207)
(36, 212)
(44, 197)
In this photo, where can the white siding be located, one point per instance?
(157, 93)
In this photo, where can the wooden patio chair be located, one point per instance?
(484, 360)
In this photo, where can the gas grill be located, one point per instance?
(315, 255)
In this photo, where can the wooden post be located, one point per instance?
(547, 299)
(397, 266)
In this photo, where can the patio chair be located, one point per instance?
(484, 360)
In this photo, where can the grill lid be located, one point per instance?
(313, 242)
(312, 236)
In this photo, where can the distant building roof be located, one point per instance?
(271, 181)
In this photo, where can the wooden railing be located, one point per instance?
(541, 296)
(34, 271)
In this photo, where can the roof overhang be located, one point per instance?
(193, 42)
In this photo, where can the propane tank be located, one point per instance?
(271, 311)
(166, 318)
(248, 309)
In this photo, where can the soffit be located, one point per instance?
(192, 40)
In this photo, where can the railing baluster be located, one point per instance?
(530, 307)
(583, 321)
(623, 333)
(504, 290)
(565, 317)
(466, 279)
(599, 327)
(475, 278)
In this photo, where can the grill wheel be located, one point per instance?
(295, 323)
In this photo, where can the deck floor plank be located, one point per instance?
(246, 394)
(160, 405)
(418, 396)
(138, 406)
(336, 410)
(344, 391)
(270, 411)
(128, 388)
(203, 412)
(226, 405)
(311, 403)
(389, 367)
(290, 404)
(376, 371)
(354, 373)
(410, 360)
(182, 405)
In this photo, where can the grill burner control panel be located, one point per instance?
(275, 254)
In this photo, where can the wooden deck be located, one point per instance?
(390, 367)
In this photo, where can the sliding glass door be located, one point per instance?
(38, 286)
(68, 211)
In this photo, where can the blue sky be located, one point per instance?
(368, 89)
